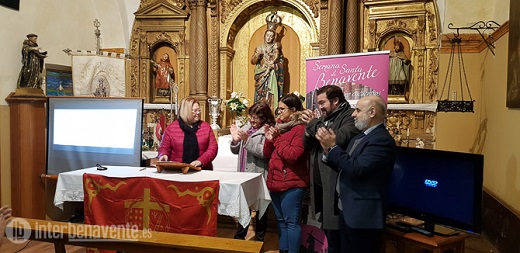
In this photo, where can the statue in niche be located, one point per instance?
(399, 70)
(268, 60)
(32, 61)
(164, 75)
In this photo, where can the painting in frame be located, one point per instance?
(58, 80)
(513, 72)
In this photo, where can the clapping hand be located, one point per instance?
(238, 134)
(326, 137)
(271, 133)
(307, 116)
(5, 214)
(234, 133)
(242, 135)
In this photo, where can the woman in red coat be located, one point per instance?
(288, 174)
(188, 139)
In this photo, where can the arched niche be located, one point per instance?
(159, 26)
(418, 23)
(157, 51)
(243, 30)
(400, 45)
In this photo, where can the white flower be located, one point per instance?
(234, 95)
(246, 102)
(233, 106)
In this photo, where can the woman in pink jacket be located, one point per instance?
(188, 139)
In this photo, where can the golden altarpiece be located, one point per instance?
(210, 43)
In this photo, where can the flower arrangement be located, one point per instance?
(237, 103)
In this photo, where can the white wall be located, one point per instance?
(60, 24)
(466, 13)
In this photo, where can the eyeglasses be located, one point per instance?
(196, 111)
(281, 109)
(255, 118)
(322, 102)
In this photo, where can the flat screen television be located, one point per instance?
(85, 131)
(438, 187)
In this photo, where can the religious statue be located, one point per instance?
(399, 70)
(164, 75)
(268, 61)
(32, 61)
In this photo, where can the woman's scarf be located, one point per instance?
(190, 151)
(293, 121)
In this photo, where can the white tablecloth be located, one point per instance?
(225, 160)
(238, 192)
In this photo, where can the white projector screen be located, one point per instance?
(83, 132)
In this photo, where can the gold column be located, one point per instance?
(198, 49)
(352, 27)
(323, 27)
(335, 24)
(214, 86)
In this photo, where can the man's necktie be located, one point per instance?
(356, 143)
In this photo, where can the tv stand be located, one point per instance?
(435, 243)
(424, 228)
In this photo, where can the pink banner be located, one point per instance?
(359, 75)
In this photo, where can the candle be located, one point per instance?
(408, 132)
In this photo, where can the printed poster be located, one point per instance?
(358, 75)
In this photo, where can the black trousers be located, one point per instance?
(360, 240)
(260, 228)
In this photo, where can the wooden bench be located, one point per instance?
(127, 240)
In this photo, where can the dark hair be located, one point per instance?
(292, 101)
(262, 110)
(332, 92)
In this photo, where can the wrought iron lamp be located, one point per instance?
(214, 111)
(453, 104)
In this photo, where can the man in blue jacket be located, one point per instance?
(364, 170)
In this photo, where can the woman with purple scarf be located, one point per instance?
(248, 143)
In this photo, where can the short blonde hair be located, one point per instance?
(185, 109)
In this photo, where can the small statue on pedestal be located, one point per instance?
(29, 80)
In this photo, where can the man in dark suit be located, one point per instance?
(364, 170)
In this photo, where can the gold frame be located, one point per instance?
(157, 24)
(417, 21)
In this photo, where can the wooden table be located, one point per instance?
(435, 244)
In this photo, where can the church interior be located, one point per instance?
(209, 44)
